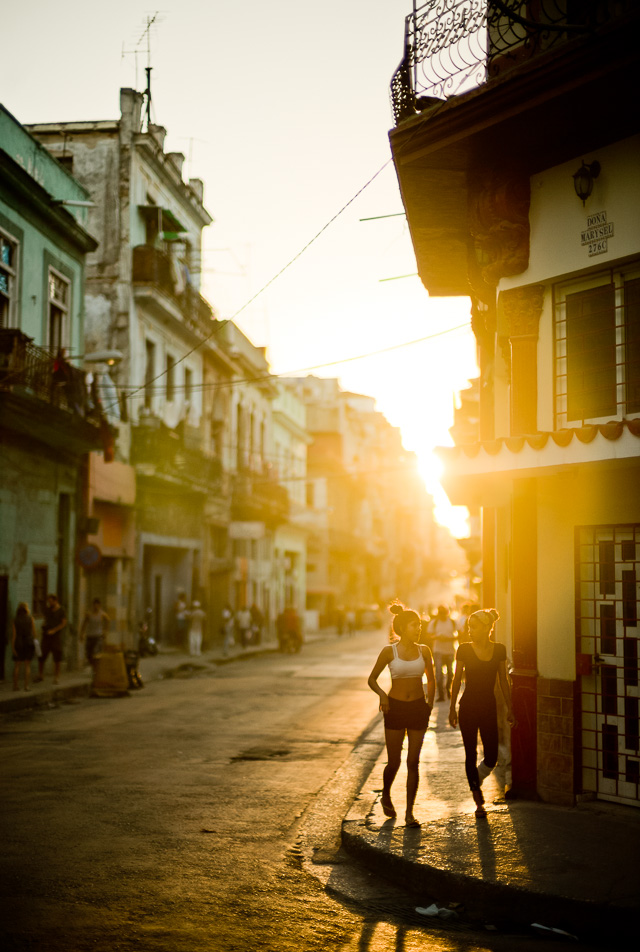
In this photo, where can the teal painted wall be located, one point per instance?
(40, 243)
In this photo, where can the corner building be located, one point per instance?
(518, 158)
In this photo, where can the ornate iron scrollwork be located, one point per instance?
(452, 46)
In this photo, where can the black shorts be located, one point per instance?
(51, 644)
(407, 715)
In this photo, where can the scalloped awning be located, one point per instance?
(481, 473)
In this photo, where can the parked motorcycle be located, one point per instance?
(147, 645)
(289, 629)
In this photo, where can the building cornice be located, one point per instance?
(475, 471)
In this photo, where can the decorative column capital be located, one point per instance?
(522, 308)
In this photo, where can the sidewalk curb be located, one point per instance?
(483, 901)
(164, 663)
(58, 694)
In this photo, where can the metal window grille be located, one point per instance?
(597, 349)
(608, 603)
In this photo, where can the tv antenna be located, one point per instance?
(145, 36)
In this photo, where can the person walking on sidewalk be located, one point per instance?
(23, 644)
(405, 708)
(444, 636)
(480, 661)
(55, 621)
(94, 630)
(227, 629)
(196, 627)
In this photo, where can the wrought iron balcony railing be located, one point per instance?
(259, 498)
(452, 46)
(33, 371)
(172, 455)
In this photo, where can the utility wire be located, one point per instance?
(286, 267)
(221, 385)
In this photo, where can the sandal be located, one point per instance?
(412, 823)
(387, 807)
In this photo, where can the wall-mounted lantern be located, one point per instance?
(584, 178)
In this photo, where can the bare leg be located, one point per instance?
(413, 773)
(394, 741)
(56, 672)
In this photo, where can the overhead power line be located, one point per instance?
(237, 381)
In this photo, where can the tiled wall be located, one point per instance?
(555, 741)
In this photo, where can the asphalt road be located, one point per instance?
(203, 813)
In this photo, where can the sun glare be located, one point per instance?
(430, 468)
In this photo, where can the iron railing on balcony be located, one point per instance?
(259, 498)
(153, 267)
(172, 455)
(452, 46)
(32, 370)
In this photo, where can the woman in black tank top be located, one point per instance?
(481, 661)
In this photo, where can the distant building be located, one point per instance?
(372, 534)
(518, 158)
(49, 417)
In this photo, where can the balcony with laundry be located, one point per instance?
(162, 277)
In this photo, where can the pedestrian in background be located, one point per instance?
(196, 628)
(350, 618)
(443, 632)
(257, 621)
(94, 629)
(181, 618)
(23, 644)
(243, 626)
(461, 622)
(480, 661)
(55, 621)
(405, 708)
(227, 629)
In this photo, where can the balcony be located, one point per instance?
(156, 281)
(259, 498)
(452, 46)
(43, 396)
(170, 457)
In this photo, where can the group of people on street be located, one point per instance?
(25, 644)
(244, 627)
(189, 624)
(479, 661)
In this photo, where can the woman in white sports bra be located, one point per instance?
(405, 707)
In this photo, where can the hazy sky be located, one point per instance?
(282, 108)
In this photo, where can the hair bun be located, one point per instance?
(396, 609)
(495, 614)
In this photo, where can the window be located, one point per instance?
(188, 385)
(58, 311)
(8, 266)
(66, 161)
(597, 355)
(170, 377)
(40, 589)
(149, 372)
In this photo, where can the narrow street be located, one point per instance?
(203, 813)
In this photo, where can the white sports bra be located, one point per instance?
(406, 669)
